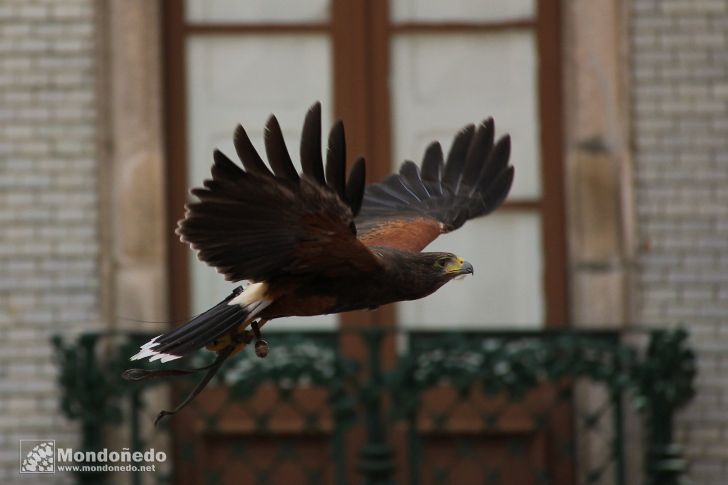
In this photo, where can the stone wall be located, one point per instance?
(680, 114)
(48, 208)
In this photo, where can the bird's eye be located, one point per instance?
(442, 262)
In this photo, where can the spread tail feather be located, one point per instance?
(240, 307)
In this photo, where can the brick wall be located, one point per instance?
(48, 214)
(680, 96)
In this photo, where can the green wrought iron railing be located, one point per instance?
(441, 411)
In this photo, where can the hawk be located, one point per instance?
(319, 242)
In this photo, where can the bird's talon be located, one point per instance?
(261, 348)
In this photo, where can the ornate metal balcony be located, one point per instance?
(455, 407)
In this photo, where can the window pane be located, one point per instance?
(507, 287)
(243, 79)
(442, 81)
(257, 10)
(467, 10)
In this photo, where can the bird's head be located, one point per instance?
(446, 266)
(416, 275)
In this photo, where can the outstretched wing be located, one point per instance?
(410, 209)
(257, 224)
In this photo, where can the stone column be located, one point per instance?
(598, 163)
(599, 193)
(134, 229)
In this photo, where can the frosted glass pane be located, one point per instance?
(441, 82)
(257, 10)
(468, 10)
(235, 80)
(506, 290)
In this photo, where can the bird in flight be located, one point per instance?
(319, 242)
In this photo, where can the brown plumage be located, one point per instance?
(316, 242)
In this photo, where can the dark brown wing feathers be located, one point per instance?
(275, 147)
(224, 168)
(336, 160)
(473, 182)
(247, 153)
(412, 179)
(256, 224)
(311, 161)
(355, 185)
(456, 158)
(350, 190)
(479, 150)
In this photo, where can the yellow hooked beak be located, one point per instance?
(459, 266)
